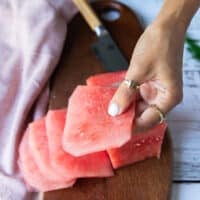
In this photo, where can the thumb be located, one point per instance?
(122, 98)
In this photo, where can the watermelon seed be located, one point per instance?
(82, 134)
(142, 141)
(157, 139)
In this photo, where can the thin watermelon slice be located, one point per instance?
(107, 79)
(140, 147)
(91, 165)
(89, 128)
(33, 177)
(40, 150)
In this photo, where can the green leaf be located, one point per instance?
(193, 47)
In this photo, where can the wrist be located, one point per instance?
(176, 15)
(169, 27)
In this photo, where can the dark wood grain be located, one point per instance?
(147, 180)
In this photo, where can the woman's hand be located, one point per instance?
(156, 65)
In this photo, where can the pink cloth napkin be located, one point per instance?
(32, 35)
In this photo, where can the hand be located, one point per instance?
(156, 65)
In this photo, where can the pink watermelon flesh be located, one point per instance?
(89, 128)
(140, 147)
(39, 147)
(107, 79)
(34, 178)
(91, 165)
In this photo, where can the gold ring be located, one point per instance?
(131, 84)
(159, 111)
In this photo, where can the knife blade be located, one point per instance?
(105, 48)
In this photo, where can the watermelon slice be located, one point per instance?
(31, 173)
(91, 165)
(89, 128)
(140, 147)
(107, 79)
(39, 147)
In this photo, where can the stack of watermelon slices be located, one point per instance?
(83, 140)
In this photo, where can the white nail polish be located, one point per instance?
(113, 109)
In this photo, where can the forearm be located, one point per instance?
(177, 14)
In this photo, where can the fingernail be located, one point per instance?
(113, 109)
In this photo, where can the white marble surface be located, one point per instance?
(185, 191)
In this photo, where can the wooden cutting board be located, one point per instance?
(146, 180)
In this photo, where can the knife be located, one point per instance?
(105, 48)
